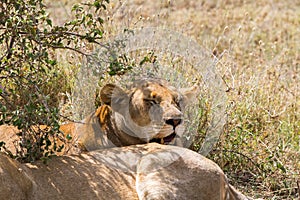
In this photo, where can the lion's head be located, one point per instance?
(150, 109)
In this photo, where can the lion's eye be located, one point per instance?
(177, 100)
(151, 101)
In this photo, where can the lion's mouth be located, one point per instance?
(165, 140)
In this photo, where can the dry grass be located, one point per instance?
(259, 42)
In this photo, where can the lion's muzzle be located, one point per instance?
(173, 122)
(169, 138)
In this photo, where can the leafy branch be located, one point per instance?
(28, 40)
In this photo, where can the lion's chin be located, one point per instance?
(165, 140)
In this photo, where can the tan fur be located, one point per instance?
(143, 172)
(127, 117)
(150, 110)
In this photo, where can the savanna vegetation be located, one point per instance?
(31, 77)
(257, 43)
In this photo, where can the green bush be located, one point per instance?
(29, 72)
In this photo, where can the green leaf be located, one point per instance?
(51, 62)
(100, 20)
(60, 148)
(280, 166)
(49, 22)
(2, 144)
(97, 4)
(103, 6)
(69, 137)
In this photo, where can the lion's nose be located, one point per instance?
(173, 122)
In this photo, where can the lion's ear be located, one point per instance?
(190, 94)
(114, 96)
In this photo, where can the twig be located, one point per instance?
(7, 100)
(282, 191)
(298, 188)
(248, 158)
(9, 49)
(70, 48)
(71, 120)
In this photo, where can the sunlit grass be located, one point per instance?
(258, 43)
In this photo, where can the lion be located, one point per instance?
(150, 110)
(137, 172)
(131, 122)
